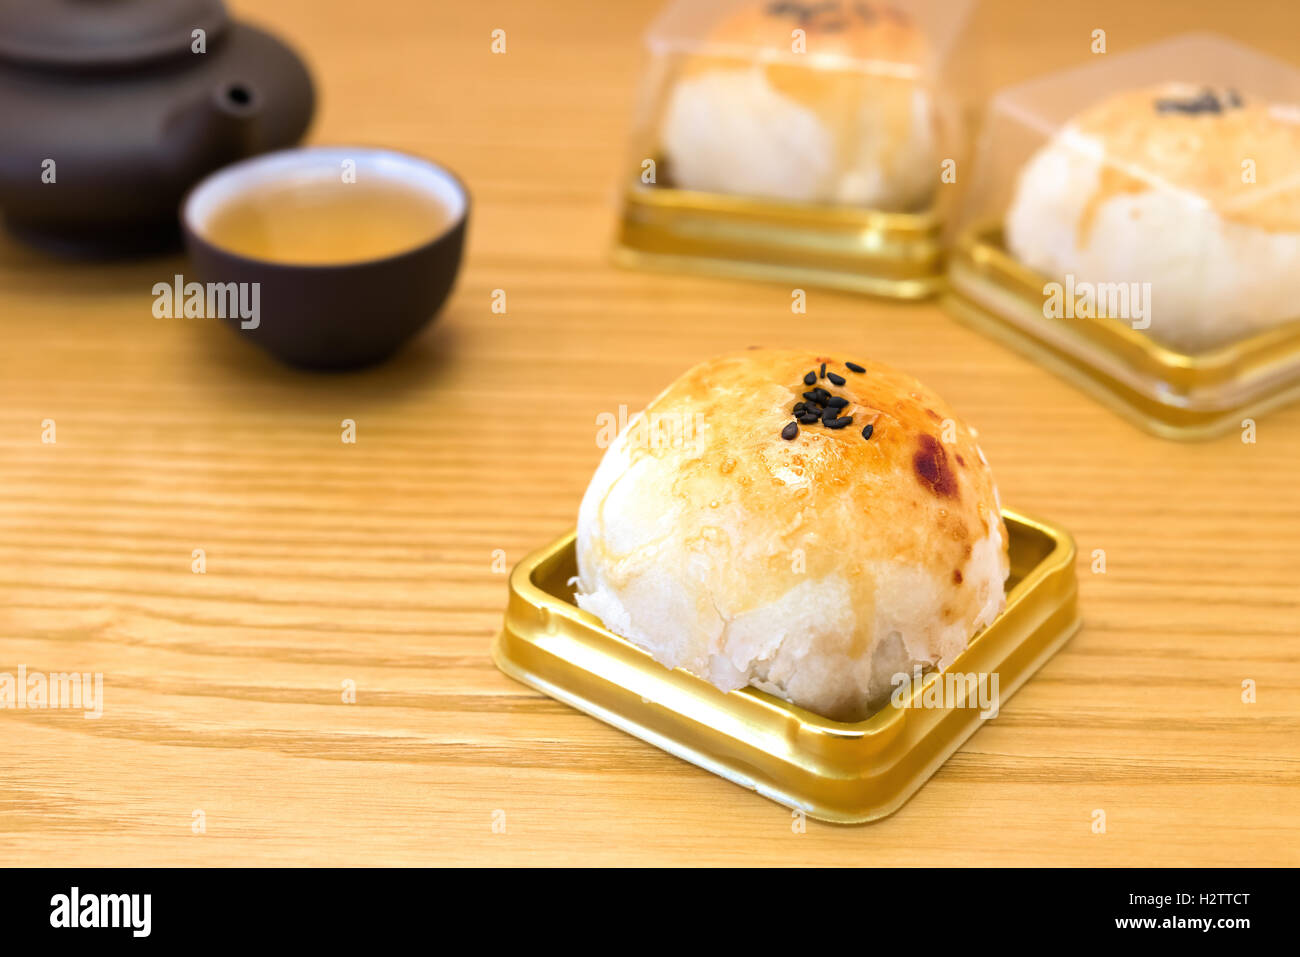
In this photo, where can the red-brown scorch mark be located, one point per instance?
(932, 469)
(956, 576)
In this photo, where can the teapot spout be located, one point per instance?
(219, 128)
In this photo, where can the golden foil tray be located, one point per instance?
(1172, 394)
(859, 250)
(847, 773)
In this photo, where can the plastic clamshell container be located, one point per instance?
(846, 773)
(1176, 232)
(796, 142)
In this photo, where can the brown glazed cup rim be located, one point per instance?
(407, 169)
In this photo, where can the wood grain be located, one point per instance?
(374, 562)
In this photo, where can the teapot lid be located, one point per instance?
(103, 33)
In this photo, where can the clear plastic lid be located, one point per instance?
(837, 102)
(1166, 179)
(897, 37)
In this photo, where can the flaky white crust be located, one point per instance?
(816, 568)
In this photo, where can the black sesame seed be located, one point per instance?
(790, 431)
(799, 406)
(810, 378)
(823, 370)
(807, 418)
(823, 395)
(837, 402)
(835, 379)
(830, 414)
(840, 422)
(867, 430)
(853, 366)
(814, 395)
(1207, 102)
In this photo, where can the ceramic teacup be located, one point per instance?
(348, 306)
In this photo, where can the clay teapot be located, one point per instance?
(110, 110)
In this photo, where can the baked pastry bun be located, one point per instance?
(809, 556)
(1194, 190)
(847, 121)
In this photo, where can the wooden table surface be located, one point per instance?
(377, 562)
